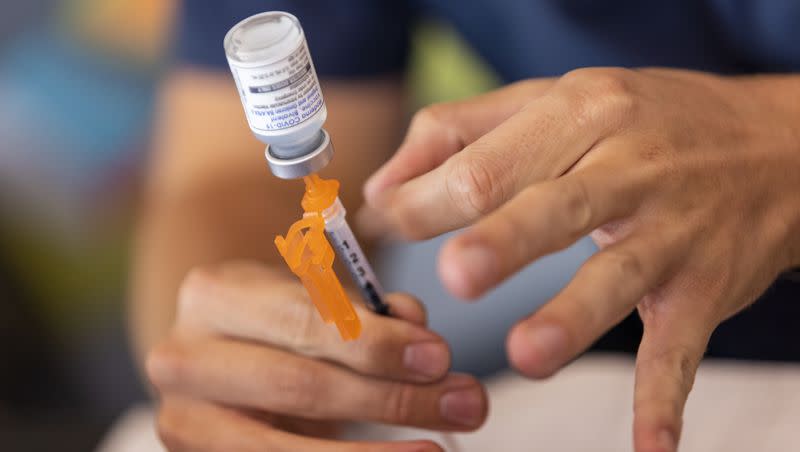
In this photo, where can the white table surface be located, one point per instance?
(734, 407)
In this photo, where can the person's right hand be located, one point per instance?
(250, 366)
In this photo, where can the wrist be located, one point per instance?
(775, 112)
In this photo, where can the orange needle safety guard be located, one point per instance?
(310, 256)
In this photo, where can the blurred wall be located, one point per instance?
(77, 82)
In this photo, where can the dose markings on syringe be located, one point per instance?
(357, 265)
(353, 256)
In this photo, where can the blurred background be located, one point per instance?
(78, 80)
(77, 83)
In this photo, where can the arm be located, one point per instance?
(209, 196)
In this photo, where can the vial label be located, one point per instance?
(279, 95)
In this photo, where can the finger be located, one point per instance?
(250, 304)
(252, 376)
(441, 130)
(540, 220)
(192, 425)
(666, 364)
(407, 307)
(602, 293)
(542, 141)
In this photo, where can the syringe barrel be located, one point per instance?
(280, 92)
(349, 251)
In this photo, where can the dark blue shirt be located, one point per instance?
(522, 39)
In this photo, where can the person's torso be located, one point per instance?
(522, 39)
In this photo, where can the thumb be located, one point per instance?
(666, 364)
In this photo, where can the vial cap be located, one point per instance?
(263, 38)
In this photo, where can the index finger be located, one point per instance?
(278, 313)
(441, 130)
(543, 140)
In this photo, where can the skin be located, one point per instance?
(652, 161)
(249, 356)
(687, 181)
(235, 351)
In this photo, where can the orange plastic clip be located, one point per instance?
(310, 256)
(320, 193)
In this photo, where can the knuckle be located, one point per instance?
(433, 113)
(516, 225)
(301, 386)
(302, 327)
(649, 307)
(378, 350)
(678, 364)
(167, 364)
(473, 186)
(437, 114)
(371, 350)
(438, 117)
(577, 76)
(405, 218)
(399, 405)
(425, 116)
(606, 93)
(610, 82)
(626, 266)
(195, 288)
(683, 367)
(578, 207)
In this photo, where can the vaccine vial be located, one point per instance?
(280, 92)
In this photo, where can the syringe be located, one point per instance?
(309, 255)
(347, 248)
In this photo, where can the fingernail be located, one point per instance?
(462, 406)
(550, 342)
(478, 266)
(666, 441)
(427, 359)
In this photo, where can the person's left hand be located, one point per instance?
(688, 180)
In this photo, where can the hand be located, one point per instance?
(688, 180)
(250, 366)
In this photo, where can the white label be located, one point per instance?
(279, 95)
